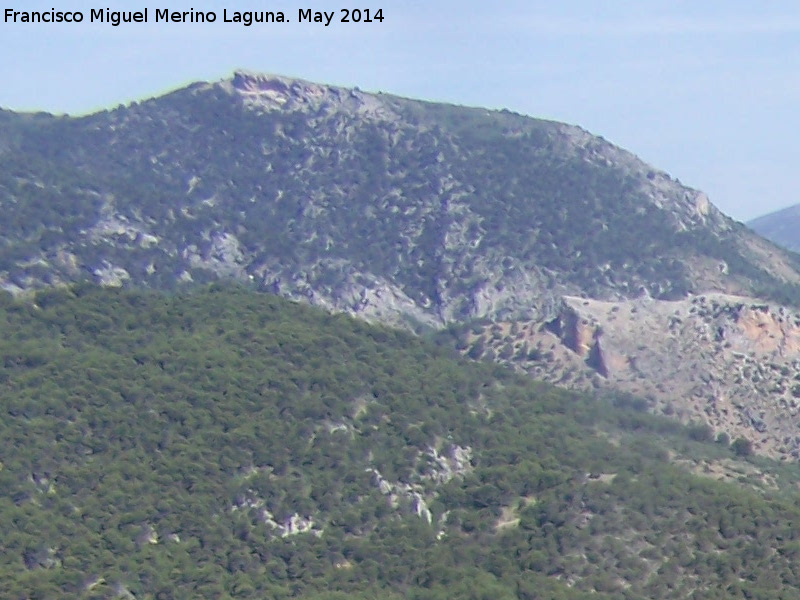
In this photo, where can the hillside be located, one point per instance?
(729, 361)
(396, 210)
(226, 444)
(780, 227)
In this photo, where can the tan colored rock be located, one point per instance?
(730, 361)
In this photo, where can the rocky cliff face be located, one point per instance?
(731, 362)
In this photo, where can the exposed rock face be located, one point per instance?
(433, 468)
(577, 333)
(732, 362)
(455, 461)
(267, 92)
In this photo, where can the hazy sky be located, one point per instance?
(708, 91)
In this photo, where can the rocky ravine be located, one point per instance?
(729, 361)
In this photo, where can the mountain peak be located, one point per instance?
(269, 84)
(268, 92)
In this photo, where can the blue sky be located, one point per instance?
(708, 91)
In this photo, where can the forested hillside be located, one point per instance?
(227, 444)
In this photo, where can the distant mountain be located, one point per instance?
(781, 227)
(233, 445)
(393, 209)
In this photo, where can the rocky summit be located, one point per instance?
(591, 267)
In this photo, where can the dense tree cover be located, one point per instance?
(226, 444)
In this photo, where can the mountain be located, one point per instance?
(780, 227)
(393, 209)
(231, 444)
